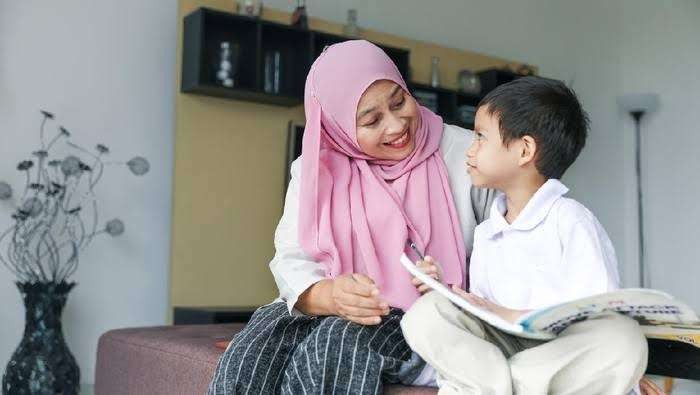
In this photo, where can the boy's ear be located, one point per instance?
(528, 150)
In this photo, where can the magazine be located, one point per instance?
(689, 334)
(674, 349)
(649, 307)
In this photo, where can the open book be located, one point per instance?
(649, 307)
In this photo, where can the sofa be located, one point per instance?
(176, 359)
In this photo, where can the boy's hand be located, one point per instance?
(507, 314)
(648, 387)
(430, 267)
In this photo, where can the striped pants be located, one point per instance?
(277, 353)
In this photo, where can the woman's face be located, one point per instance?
(387, 120)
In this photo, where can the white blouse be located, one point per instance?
(294, 271)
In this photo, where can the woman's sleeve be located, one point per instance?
(454, 145)
(294, 271)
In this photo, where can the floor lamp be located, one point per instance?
(637, 105)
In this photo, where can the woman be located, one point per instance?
(376, 169)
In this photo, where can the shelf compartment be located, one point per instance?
(284, 60)
(400, 56)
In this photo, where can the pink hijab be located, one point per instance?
(356, 212)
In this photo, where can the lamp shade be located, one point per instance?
(638, 102)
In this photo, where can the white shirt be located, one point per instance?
(553, 252)
(294, 271)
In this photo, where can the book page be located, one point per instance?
(643, 305)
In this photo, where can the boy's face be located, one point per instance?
(489, 162)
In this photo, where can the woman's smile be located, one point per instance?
(400, 141)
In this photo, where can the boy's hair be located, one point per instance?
(548, 111)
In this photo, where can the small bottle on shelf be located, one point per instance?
(435, 72)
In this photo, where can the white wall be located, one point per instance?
(106, 69)
(606, 48)
(661, 54)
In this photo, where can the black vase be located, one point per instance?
(42, 363)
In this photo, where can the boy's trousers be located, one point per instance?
(606, 355)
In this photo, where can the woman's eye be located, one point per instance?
(372, 123)
(399, 104)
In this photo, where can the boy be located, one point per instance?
(536, 249)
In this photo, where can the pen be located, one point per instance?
(415, 249)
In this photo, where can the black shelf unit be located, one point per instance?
(492, 78)
(449, 103)
(205, 29)
(203, 32)
(399, 56)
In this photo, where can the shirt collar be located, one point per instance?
(533, 214)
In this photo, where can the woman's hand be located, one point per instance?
(356, 298)
(430, 267)
(507, 314)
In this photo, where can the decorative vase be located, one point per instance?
(299, 16)
(469, 82)
(42, 363)
(227, 66)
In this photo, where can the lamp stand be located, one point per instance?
(637, 116)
